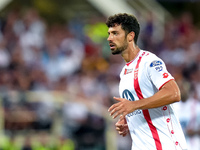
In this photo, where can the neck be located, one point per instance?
(130, 53)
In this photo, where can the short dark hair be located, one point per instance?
(128, 23)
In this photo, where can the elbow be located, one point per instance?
(177, 96)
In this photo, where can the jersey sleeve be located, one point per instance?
(157, 72)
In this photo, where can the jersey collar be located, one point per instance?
(133, 59)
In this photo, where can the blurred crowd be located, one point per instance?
(74, 58)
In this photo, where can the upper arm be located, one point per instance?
(172, 89)
(163, 80)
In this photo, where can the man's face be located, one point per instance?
(117, 39)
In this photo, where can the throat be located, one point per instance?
(130, 55)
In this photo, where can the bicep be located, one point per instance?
(171, 88)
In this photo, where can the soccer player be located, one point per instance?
(147, 91)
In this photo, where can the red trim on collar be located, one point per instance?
(133, 59)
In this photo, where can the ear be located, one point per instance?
(131, 36)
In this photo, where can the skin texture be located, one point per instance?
(123, 44)
(122, 127)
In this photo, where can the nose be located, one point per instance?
(109, 38)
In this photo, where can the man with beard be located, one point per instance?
(147, 91)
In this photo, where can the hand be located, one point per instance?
(122, 127)
(123, 107)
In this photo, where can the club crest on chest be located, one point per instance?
(127, 71)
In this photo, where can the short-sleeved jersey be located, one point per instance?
(151, 129)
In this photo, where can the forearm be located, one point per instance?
(168, 94)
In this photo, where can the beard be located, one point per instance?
(120, 49)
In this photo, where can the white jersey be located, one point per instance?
(151, 129)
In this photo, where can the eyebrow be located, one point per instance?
(113, 32)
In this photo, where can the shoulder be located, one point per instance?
(149, 55)
(151, 59)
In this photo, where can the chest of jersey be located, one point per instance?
(134, 82)
(126, 85)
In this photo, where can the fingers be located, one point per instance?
(115, 105)
(126, 126)
(118, 108)
(121, 127)
(120, 130)
(121, 117)
(117, 114)
(114, 109)
(117, 98)
(124, 132)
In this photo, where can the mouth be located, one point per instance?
(112, 46)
